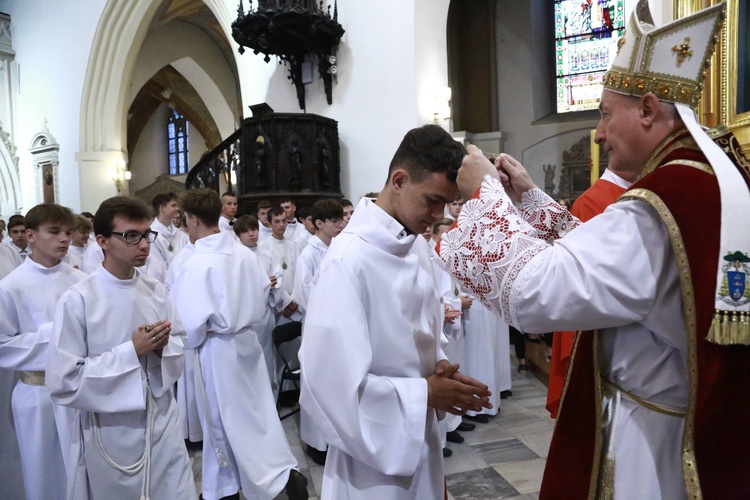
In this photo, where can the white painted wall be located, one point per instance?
(52, 39)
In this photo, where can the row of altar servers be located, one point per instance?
(477, 338)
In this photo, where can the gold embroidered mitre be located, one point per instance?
(670, 61)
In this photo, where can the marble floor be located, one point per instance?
(501, 459)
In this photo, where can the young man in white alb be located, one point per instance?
(261, 213)
(295, 231)
(170, 240)
(228, 211)
(374, 377)
(244, 445)
(115, 354)
(18, 242)
(246, 228)
(284, 255)
(328, 217)
(28, 296)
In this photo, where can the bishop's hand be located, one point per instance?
(513, 176)
(473, 169)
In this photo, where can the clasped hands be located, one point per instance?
(154, 337)
(509, 171)
(453, 392)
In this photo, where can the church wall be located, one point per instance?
(52, 40)
(390, 55)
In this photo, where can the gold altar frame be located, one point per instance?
(719, 103)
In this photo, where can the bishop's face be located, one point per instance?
(620, 133)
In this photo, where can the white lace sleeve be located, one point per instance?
(490, 245)
(550, 220)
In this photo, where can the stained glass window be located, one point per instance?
(177, 130)
(586, 35)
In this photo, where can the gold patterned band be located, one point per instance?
(32, 378)
(667, 89)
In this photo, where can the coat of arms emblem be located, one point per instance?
(735, 286)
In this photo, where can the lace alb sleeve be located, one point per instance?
(550, 220)
(490, 245)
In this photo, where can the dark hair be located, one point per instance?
(287, 199)
(229, 193)
(88, 215)
(161, 199)
(262, 204)
(274, 211)
(372, 194)
(245, 223)
(81, 224)
(440, 222)
(15, 220)
(48, 213)
(345, 203)
(324, 210)
(426, 150)
(303, 212)
(204, 204)
(129, 208)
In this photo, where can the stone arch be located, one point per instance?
(119, 36)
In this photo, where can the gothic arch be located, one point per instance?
(119, 35)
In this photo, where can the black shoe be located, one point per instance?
(317, 456)
(454, 437)
(465, 427)
(482, 419)
(505, 394)
(447, 452)
(296, 486)
(236, 496)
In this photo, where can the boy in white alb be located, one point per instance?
(374, 377)
(228, 211)
(244, 445)
(28, 296)
(171, 240)
(284, 255)
(115, 353)
(328, 217)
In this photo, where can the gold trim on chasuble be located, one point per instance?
(658, 155)
(689, 467)
(594, 480)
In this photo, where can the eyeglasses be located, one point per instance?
(134, 237)
(336, 222)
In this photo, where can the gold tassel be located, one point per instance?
(714, 332)
(607, 479)
(729, 328)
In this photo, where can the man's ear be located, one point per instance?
(649, 109)
(102, 242)
(31, 236)
(399, 177)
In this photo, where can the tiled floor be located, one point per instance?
(501, 459)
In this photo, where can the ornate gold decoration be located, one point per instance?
(621, 41)
(683, 51)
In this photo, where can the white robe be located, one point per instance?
(11, 475)
(617, 273)
(284, 254)
(169, 236)
(220, 294)
(94, 369)
(487, 351)
(77, 251)
(307, 265)
(296, 231)
(265, 327)
(264, 232)
(371, 336)
(187, 403)
(28, 297)
(20, 252)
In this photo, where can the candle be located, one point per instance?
(594, 158)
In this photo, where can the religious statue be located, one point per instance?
(549, 178)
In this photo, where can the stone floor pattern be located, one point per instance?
(501, 459)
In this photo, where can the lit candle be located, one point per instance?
(594, 158)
